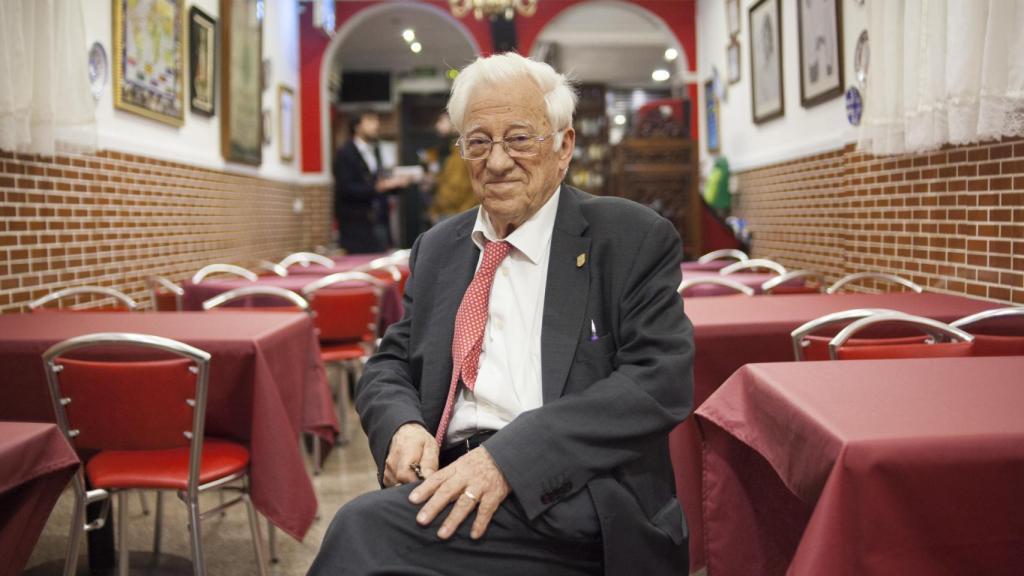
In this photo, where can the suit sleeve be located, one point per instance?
(350, 178)
(551, 452)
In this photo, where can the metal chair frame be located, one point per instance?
(988, 315)
(849, 278)
(717, 280)
(274, 291)
(774, 283)
(304, 259)
(59, 294)
(937, 331)
(722, 254)
(205, 271)
(274, 267)
(756, 263)
(812, 326)
(190, 496)
(155, 283)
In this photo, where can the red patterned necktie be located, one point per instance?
(470, 321)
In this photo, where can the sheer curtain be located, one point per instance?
(943, 71)
(45, 102)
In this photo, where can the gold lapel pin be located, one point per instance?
(581, 260)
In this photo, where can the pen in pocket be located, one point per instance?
(593, 331)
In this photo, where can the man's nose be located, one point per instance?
(499, 161)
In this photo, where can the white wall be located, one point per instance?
(802, 131)
(197, 142)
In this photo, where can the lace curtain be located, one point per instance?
(45, 102)
(943, 71)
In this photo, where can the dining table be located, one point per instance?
(267, 385)
(36, 462)
(875, 467)
(730, 331)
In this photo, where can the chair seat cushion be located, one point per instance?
(341, 352)
(164, 469)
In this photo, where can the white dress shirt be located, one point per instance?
(366, 151)
(509, 379)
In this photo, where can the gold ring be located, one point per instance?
(469, 495)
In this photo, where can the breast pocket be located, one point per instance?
(595, 360)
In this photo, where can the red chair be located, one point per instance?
(231, 269)
(722, 254)
(807, 345)
(305, 259)
(685, 285)
(255, 298)
(879, 276)
(166, 295)
(754, 265)
(943, 341)
(124, 303)
(813, 283)
(991, 336)
(143, 419)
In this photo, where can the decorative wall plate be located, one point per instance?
(99, 69)
(861, 59)
(854, 106)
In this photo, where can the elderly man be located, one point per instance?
(519, 412)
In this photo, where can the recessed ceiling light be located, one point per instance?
(408, 34)
(620, 119)
(416, 47)
(671, 54)
(660, 75)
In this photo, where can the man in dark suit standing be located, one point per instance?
(519, 412)
(360, 194)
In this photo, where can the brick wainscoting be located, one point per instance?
(952, 220)
(113, 219)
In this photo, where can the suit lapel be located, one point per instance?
(452, 280)
(565, 295)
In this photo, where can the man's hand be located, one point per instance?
(473, 481)
(413, 450)
(391, 183)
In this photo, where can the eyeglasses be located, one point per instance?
(516, 146)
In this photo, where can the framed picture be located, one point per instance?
(286, 122)
(820, 24)
(149, 59)
(766, 60)
(732, 17)
(732, 53)
(711, 116)
(240, 119)
(202, 58)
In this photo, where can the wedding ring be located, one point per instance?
(469, 495)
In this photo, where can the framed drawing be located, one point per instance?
(242, 51)
(202, 59)
(732, 53)
(732, 17)
(286, 122)
(765, 23)
(820, 24)
(149, 59)
(711, 116)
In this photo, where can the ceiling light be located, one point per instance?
(620, 119)
(408, 34)
(660, 75)
(493, 8)
(416, 47)
(671, 54)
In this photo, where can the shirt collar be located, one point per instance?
(531, 239)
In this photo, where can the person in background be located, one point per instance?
(360, 193)
(453, 191)
(519, 412)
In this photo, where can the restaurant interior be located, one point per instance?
(846, 177)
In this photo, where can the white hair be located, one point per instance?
(559, 95)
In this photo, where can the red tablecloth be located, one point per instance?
(730, 332)
(36, 463)
(266, 385)
(872, 467)
(751, 279)
(713, 266)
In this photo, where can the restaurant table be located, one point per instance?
(195, 294)
(36, 463)
(266, 385)
(866, 467)
(730, 331)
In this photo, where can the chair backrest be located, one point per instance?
(716, 280)
(222, 269)
(802, 340)
(126, 303)
(304, 259)
(167, 296)
(295, 301)
(113, 399)
(992, 345)
(966, 322)
(938, 332)
(273, 267)
(347, 313)
(755, 264)
(813, 282)
(852, 278)
(723, 254)
(992, 336)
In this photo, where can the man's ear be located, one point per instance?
(568, 145)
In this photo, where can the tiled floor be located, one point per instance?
(348, 472)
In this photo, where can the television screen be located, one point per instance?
(365, 87)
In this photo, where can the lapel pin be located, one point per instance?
(581, 260)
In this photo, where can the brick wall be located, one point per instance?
(951, 220)
(112, 219)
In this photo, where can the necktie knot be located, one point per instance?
(494, 253)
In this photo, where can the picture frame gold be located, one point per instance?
(286, 121)
(241, 81)
(150, 83)
(202, 62)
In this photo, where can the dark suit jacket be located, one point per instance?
(608, 403)
(355, 200)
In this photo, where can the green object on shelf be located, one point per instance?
(716, 190)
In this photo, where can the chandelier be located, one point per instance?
(492, 8)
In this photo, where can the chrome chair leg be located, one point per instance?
(76, 531)
(142, 500)
(122, 533)
(198, 566)
(344, 402)
(317, 455)
(257, 537)
(272, 540)
(158, 526)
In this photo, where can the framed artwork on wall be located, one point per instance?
(820, 24)
(149, 59)
(732, 17)
(732, 57)
(242, 50)
(286, 122)
(202, 58)
(765, 21)
(711, 116)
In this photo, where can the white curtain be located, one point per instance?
(45, 102)
(943, 72)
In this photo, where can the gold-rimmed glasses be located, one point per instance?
(516, 146)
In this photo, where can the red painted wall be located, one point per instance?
(679, 15)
